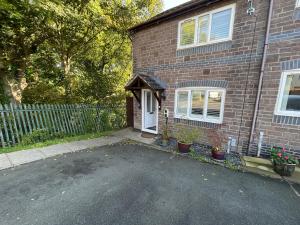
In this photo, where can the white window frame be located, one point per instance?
(203, 118)
(196, 18)
(278, 110)
(297, 3)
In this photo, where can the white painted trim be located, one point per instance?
(196, 18)
(143, 113)
(204, 118)
(277, 110)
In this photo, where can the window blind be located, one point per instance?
(220, 25)
(187, 32)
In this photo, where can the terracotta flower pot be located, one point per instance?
(219, 155)
(284, 169)
(184, 148)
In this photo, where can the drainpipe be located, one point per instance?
(262, 72)
(260, 142)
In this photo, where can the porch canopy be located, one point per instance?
(145, 81)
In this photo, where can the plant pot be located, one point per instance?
(284, 169)
(184, 148)
(219, 155)
(165, 142)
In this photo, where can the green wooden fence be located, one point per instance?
(21, 120)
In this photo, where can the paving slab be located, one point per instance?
(133, 135)
(4, 162)
(98, 142)
(26, 156)
(54, 150)
(76, 146)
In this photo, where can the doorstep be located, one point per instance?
(264, 167)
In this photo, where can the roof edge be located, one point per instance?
(173, 13)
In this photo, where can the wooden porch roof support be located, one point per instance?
(140, 82)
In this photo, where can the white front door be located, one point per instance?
(149, 111)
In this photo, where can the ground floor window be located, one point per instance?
(288, 101)
(201, 104)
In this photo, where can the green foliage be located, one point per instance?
(71, 51)
(281, 156)
(50, 93)
(165, 132)
(3, 97)
(187, 135)
(216, 139)
(40, 135)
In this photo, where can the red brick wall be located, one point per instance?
(154, 49)
(284, 47)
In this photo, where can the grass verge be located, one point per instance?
(55, 141)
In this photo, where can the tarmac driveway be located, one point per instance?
(136, 185)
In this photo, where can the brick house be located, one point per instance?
(215, 65)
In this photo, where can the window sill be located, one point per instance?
(289, 114)
(202, 49)
(199, 120)
(196, 123)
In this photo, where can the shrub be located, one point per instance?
(187, 135)
(39, 135)
(216, 140)
(281, 156)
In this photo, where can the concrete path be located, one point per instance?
(13, 159)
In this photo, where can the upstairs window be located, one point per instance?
(187, 31)
(220, 25)
(211, 27)
(297, 3)
(200, 104)
(288, 101)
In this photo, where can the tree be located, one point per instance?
(23, 25)
(68, 50)
(75, 25)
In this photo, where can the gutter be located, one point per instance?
(261, 76)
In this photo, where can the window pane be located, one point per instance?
(153, 103)
(220, 25)
(214, 104)
(182, 102)
(203, 29)
(291, 94)
(148, 96)
(198, 98)
(187, 32)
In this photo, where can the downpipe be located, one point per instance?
(261, 76)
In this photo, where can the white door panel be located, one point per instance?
(149, 111)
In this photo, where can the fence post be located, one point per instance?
(9, 124)
(22, 112)
(39, 112)
(14, 122)
(1, 133)
(19, 123)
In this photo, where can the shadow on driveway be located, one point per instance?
(136, 185)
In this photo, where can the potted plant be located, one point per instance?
(185, 137)
(216, 140)
(284, 163)
(165, 136)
